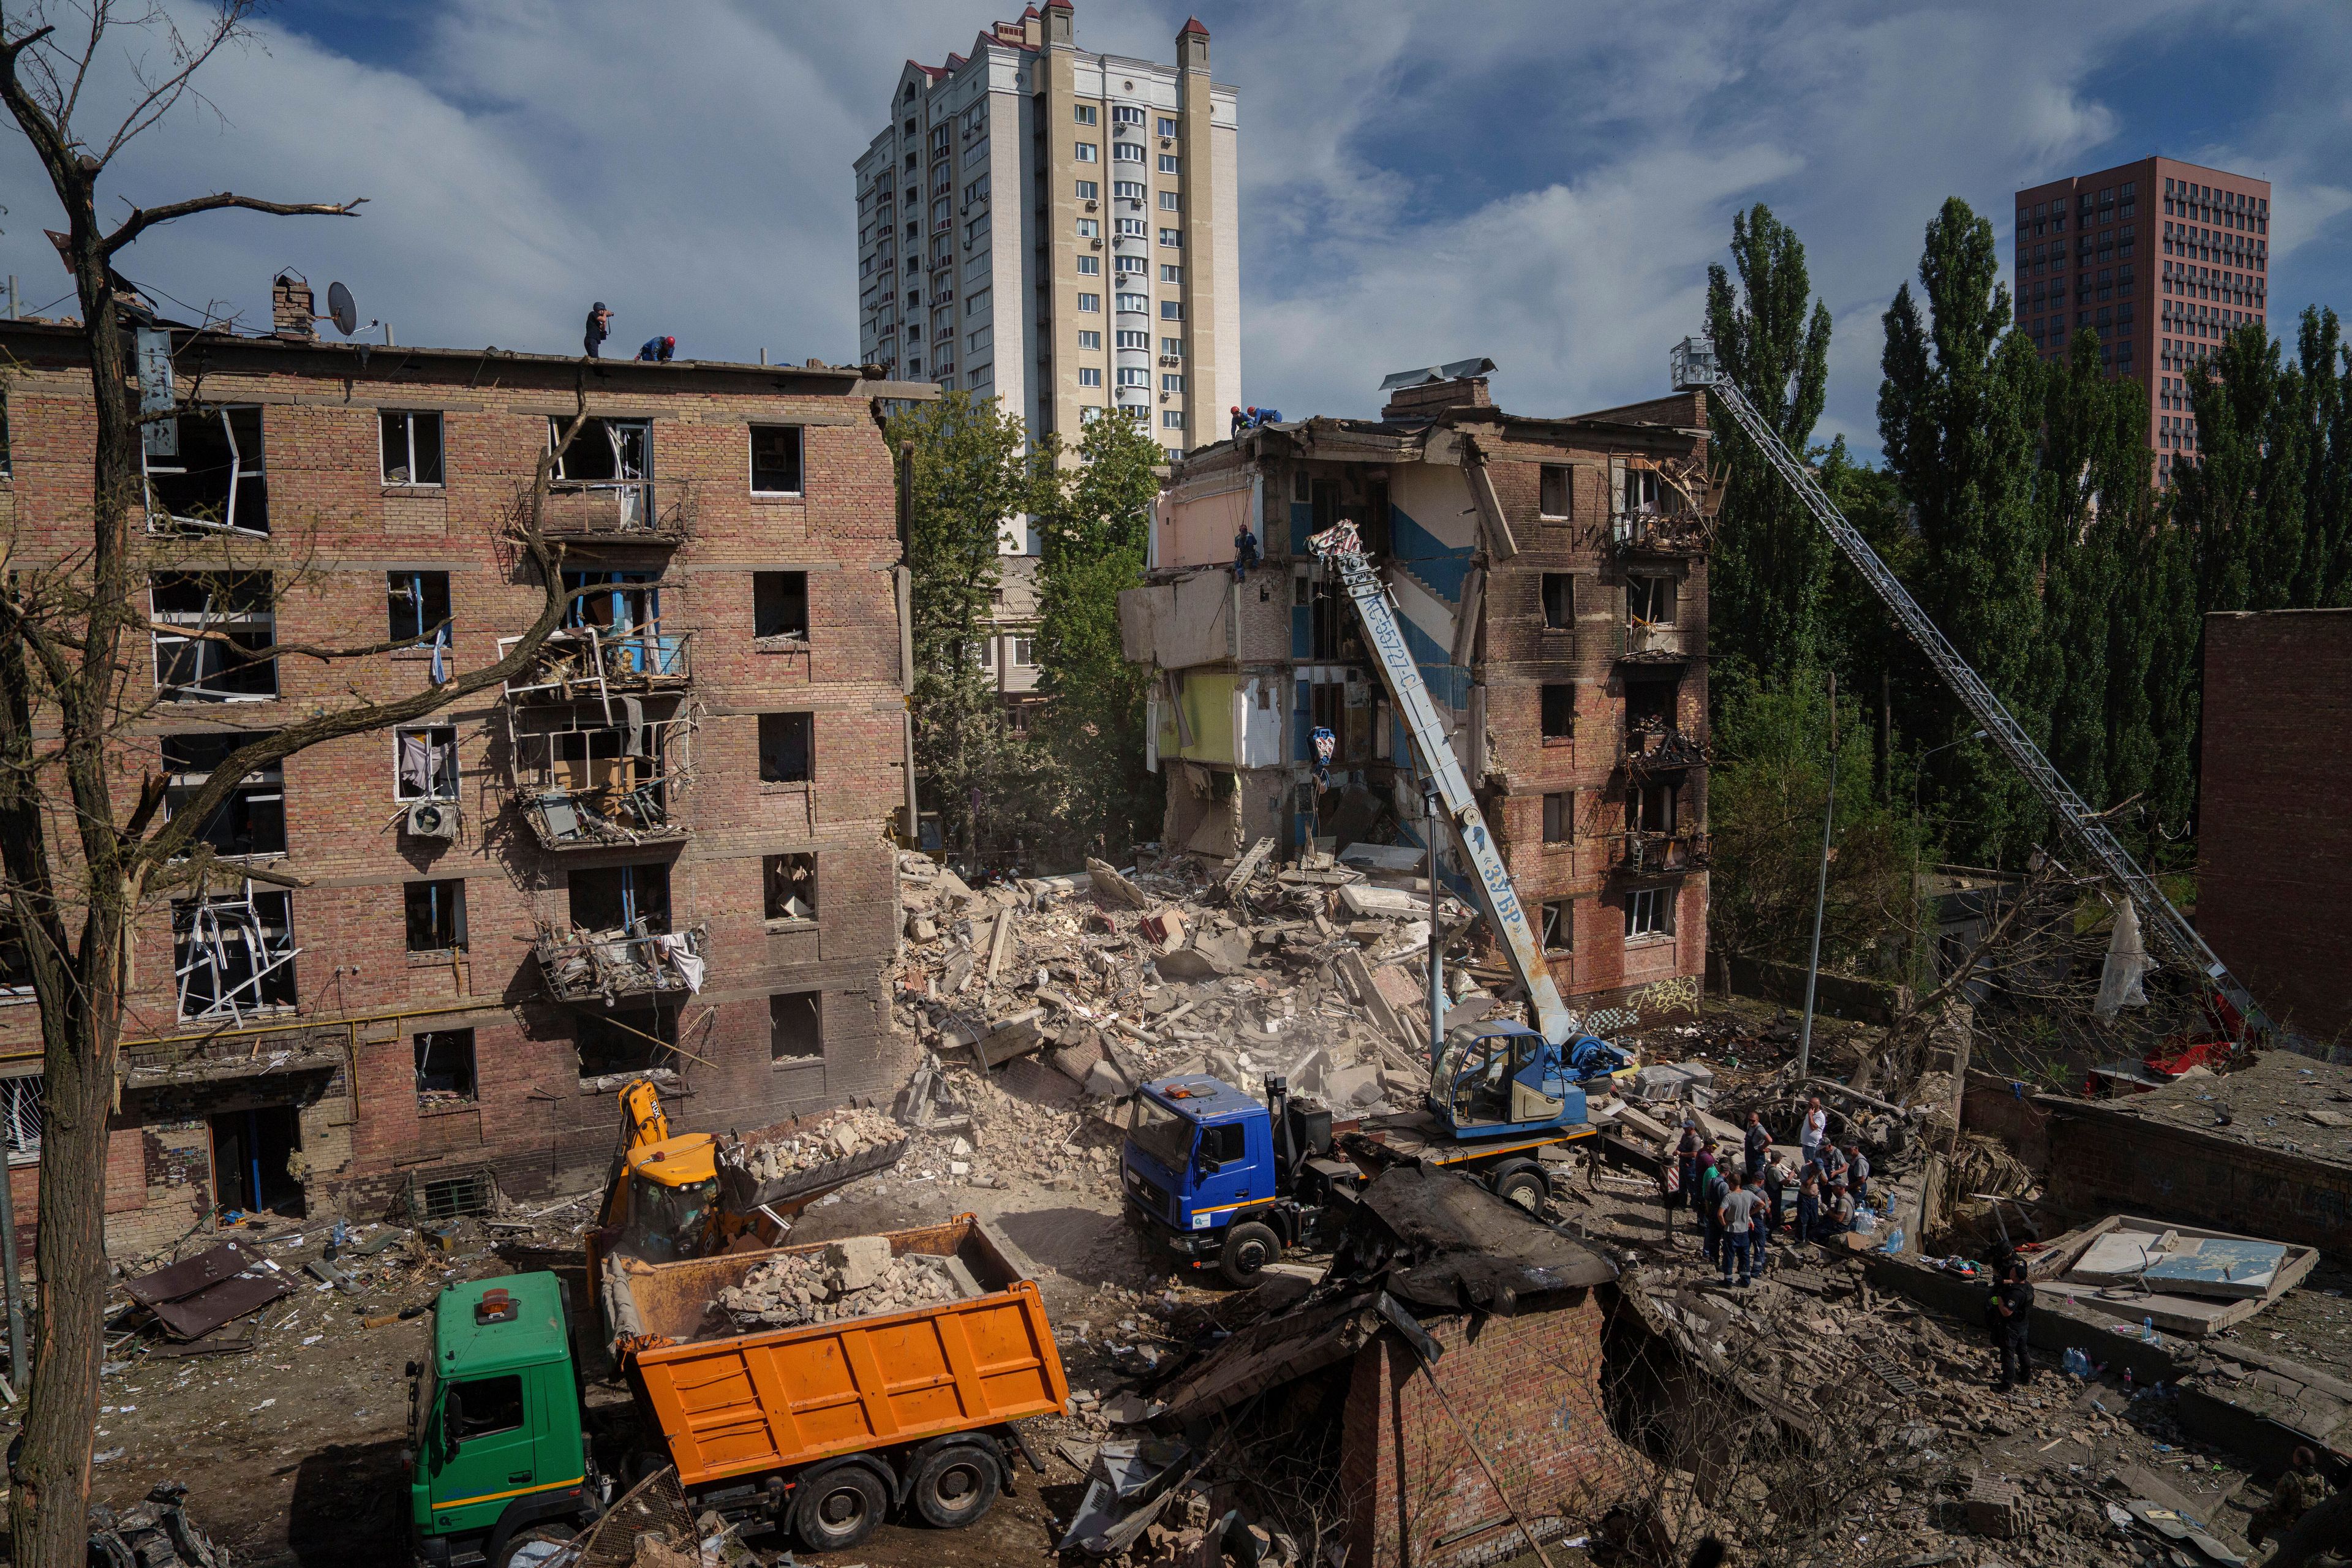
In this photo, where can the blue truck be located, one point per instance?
(1220, 1180)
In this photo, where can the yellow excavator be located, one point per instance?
(692, 1194)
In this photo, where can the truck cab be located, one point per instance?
(494, 1424)
(1199, 1162)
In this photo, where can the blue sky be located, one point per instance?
(1542, 184)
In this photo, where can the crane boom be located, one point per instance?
(1499, 901)
(1694, 365)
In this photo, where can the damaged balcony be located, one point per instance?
(1656, 747)
(215, 1055)
(583, 664)
(582, 966)
(582, 783)
(1663, 505)
(604, 488)
(1659, 854)
(1648, 642)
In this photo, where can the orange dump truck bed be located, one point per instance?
(738, 1405)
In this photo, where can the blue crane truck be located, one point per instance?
(1220, 1180)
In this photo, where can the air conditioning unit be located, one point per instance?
(1098, 242)
(1168, 140)
(1092, 204)
(431, 819)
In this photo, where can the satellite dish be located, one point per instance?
(342, 308)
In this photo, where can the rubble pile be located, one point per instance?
(1313, 971)
(1012, 1140)
(855, 1278)
(844, 1135)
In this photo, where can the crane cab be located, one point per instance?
(1498, 1077)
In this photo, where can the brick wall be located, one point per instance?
(336, 530)
(2102, 1162)
(1526, 1394)
(2275, 824)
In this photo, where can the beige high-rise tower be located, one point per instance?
(1059, 230)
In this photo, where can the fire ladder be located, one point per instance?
(1499, 901)
(1694, 365)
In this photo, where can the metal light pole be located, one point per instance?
(1820, 897)
(1428, 809)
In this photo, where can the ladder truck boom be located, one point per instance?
(1499, 901)
(1695, 366)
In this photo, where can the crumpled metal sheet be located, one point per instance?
(1126, 1486)
(197, 1295)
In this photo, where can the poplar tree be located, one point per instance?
(1770, 558)
(1958, 409)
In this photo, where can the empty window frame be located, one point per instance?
(412, 448)
(212, 633)
(1552, 492)
(425, 763)
(1642, 490)
(776, 460)
(445, 1067)
(637, 1039)
(787, 748)
(1560, 601)
(790, 886)
(252, 820)
(1559, 713)
(1560, 816)
(796, 1026)
(1650, 911)
(436, 915)
(233, 954)
(1653, 808)
(779, 607)
(418, 605)
(1650, 599)
(1559, 926)
(634, 899)
(603, 452)
(22, 1116)
(1024, 652)
(204, 471)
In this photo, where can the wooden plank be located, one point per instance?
(1000, 944)
(1254, 857)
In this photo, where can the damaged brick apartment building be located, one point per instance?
(665, 848)
(1551, 579)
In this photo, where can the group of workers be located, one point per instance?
(1742, 1204)
(599, 327)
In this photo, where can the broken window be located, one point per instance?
(437, 916)
(1560, 601)
(1641, 490)
(637, 1039)
(15, 969)
(780, 605)
(1655, 808)
(612, 602)
(796, 1026)
(233, 953)
(1650, 599)
(425, 763)
(776, 460)
(204, 471)
(252, 820)
(212, 632)
(1650, 911)
(1559, 926)
(1552, 490)
(604, 451)
(445, 1067)
(1560, 816)
(634, 899)
(1650, 705)
(791, 882)
(1559, 713)
(419, 607)
(412, 448)
(787, 748)
(22, 1103)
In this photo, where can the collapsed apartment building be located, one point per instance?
(1550, 576)
(662, 849)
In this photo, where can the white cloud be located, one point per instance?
(1541, 183)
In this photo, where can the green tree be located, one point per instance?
(1958, 409)
(1093, 518)
(1770, 558)
(968, 476)
(2325, 577)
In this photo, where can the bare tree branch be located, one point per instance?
(144, 218)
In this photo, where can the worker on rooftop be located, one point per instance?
(599, 327)
(659, 349)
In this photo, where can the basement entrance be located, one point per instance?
(249, 1161)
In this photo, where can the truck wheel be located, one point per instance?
(531, 1547)
(1249, 1247)
(839, 1508)
(955, 1485)
(1523, 1185)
